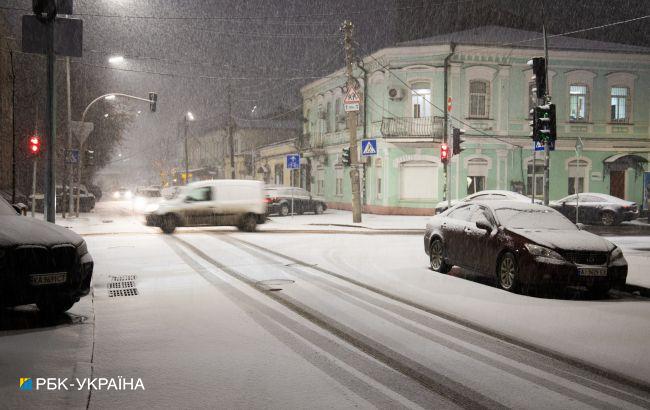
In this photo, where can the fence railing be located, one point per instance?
(412, 127)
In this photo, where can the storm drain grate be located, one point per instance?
(121, 278)
(112, 293)
(121, 285)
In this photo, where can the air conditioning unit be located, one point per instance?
(395, 93)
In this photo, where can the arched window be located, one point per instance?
(479, 101)
(578, 171)
(477, 169)
(418, 180)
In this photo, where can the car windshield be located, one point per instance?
(533, 219)
(6, 208)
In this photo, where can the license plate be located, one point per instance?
(47, 279)
(592, 271)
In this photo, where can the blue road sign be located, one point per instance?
(293, 161)
(538, 146)
(368, 147)
(72, 156)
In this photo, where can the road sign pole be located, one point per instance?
(534, 173)
(34, 187)
(50, 131)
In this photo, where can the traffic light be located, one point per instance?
(153, 99)
(544, 126)
(444, 153)
(45, 10)
(90, 158)
(457, 133)
(34, 145)
(345, 157)
(539, 75)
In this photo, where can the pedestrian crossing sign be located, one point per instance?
(368, 147)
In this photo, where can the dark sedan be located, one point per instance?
(595, 208)
(279, 200)
(523, 245)
(41, 263)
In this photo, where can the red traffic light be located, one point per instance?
(444, 152)
(34, 145)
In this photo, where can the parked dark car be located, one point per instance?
(41, 263)
(86, 200)
(595, 208)
(523, 245)
(486, 195)
(279, 198)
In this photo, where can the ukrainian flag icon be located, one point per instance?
(25, 383)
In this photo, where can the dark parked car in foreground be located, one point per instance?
(41, 263)
(486, 195)
(279, 198)
(522, 245)
(595, 208)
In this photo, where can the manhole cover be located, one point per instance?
(107, 221)
(112, 293)
(121, 278)
(274, 284)
(121, 285)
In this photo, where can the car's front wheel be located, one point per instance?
(508, 273)
(168, 224)
(437, 257)
(284, 210)
(319, 209)
(248, 223)
(608, 218)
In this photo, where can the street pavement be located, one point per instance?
(320, 316)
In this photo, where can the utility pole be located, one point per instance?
(347, 29)
(547, 100)
(69, 167)
(231, 141)
(187, 160)
(13, 129)
(50, 129)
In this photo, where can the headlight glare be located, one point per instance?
(537, 250)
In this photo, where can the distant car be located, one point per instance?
(122, 193)
(487, 195)
(219, 202)
(146, 199)
(41, 263)
(595, 208)
(87, 200)
(522, 245)
(279, 198)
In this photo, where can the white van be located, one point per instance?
(219, 202)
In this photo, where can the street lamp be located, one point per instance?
(187, 118)
(116, 59)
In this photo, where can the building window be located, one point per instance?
(379, 187)
(421, 100)
(339, 181)
(619, 104)
(278, 170)
(320, 182)
(578, 103)
(418, 180)
(477, 169)
(578, 171)
(539, 177)
(478, 99)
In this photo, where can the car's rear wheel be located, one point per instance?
(248, 223)
(437, 257)
(54, 305)
(319, 209)
(284, 210)
(508, 273)
(168, 224)
(608, 218)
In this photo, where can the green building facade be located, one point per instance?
(601, 91)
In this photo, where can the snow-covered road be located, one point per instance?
(322, 320)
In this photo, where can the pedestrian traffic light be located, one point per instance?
(544, 125)
(345, 157)
(153, 99)
(457, 133)
(539, 75)
(34, 145)
(444, 153)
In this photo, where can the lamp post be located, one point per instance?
(187, 118)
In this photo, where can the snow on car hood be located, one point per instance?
(571, 240)
(22, 230)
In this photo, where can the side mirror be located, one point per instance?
(580, 226)
(484, 225)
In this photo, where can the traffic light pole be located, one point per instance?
(49, 204)
(547, 142)
(352, 125)
(34, 187)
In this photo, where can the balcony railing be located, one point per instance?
(405, 127)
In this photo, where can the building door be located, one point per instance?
(617, 184)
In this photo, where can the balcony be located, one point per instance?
(407, 127)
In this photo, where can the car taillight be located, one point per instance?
(267, 200)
